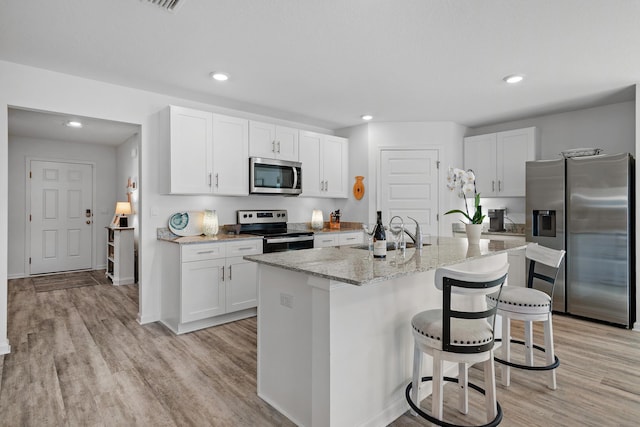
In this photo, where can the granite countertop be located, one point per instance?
(166, 235)
(351, 265)
(510, 230)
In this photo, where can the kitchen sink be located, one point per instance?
(390, 246)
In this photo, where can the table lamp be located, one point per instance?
(122, 209)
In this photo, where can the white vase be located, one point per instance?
(473, 233)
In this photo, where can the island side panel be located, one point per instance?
(372, 347)
(284, 342)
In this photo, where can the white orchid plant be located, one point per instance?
(464, 182)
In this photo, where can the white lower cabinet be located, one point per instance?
(351, 238)
(207, 284)
(203, 292)
(325, 240)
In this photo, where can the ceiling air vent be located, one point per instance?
(168, 5)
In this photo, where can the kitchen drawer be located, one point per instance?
(244, 247)
(352, 238)
(202, 251)
(324, 240)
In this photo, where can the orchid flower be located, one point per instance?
(464, 182)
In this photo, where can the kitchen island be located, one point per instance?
(334, 336)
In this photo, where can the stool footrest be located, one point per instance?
(442, 423)
(554, 365)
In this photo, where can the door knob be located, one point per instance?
(88, 221)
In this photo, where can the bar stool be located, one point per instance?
(460, 332)
(530, 305)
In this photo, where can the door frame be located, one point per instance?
(27, 231)
(439, 148)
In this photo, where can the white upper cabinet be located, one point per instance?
(325, 162)
(273, 142)
(499, 161)
(230, 156)
(204, 153)
(188, 151)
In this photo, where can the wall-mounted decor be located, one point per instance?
(358, 187)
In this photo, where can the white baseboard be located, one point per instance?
(16, 276)
(5, 348)
(147, 319)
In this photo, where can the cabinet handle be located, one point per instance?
(273, 146)
(493, 186)
(205, 252)
(351, 238)
(217, 181)
(230, 272)
(499, 185)
(321, 185)
(278, 147)
(248, 248)
(209, 180)
(223, 273)
(326, 186)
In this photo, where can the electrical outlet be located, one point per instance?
(286, 300)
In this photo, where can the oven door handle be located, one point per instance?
(289, 239)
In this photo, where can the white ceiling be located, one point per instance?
(51, 126)
(326, 62)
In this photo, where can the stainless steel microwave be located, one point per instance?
(271, 176)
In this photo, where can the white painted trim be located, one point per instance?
(279, 409)
(147, 319)
(211, 321)
(27, 225)
(5, 348)
(16, 276)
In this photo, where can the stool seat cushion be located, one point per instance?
(517, 299)
(463, 331)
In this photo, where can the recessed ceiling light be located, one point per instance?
(367, 117)
(219, 76)
(73, 124)
(514, 78)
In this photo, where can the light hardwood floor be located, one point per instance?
(80, 358)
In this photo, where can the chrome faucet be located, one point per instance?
(417, 237)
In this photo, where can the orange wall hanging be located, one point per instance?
(358, 187)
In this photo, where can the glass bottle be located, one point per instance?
(379, 239)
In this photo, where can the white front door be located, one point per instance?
(409, 188)
(61, 216)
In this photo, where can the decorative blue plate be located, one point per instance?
(186, 223)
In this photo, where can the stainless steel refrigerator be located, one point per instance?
(585, 205)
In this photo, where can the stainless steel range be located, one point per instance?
(272, 225)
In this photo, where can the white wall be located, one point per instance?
(366, 142)
(127, 168)
(103, 158)
(611, 127)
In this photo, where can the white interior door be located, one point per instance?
(61, 216)
(409, 188)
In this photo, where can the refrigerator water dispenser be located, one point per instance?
(544, 223)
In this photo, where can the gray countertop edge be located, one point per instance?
(391, 272)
